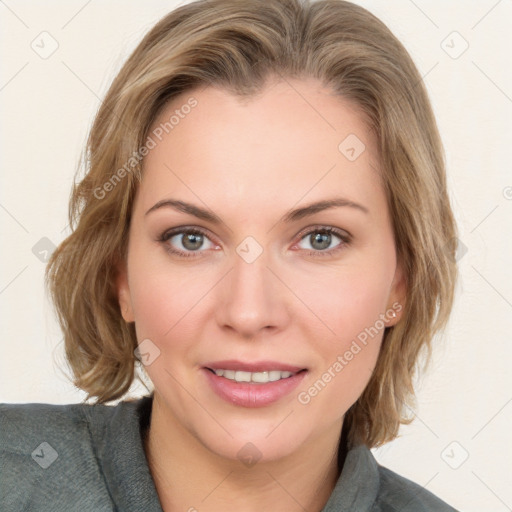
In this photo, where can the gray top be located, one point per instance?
(80, 457)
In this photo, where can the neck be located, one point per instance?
(189, 477)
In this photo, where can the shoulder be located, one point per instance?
(397, 493)
(50, 454)
(43, 416)
(68, 426)
(63, 415)
(366, 485)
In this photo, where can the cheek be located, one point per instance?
(166, 312)
(353, 307)
(163, 300)
(348, 302)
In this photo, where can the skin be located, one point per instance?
(250, 162)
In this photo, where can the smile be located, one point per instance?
(252, 389)
(256, 377)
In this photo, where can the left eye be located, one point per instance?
(320, 239)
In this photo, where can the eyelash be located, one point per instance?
(344, 236)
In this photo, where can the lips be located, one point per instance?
(261, 383)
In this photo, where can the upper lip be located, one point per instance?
(255, 366)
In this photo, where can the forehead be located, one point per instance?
(292, 139)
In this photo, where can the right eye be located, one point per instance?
(184, 242)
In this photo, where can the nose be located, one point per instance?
(252, 299)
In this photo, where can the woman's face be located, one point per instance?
(230, 266)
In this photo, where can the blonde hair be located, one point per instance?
(238, 45)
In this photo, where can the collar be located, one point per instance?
(123, 459)
(131, 486)
(358, 484)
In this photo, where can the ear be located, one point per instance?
(123, 292)
(397, 297)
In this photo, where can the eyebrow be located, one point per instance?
(291, 216)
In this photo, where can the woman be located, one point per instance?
(264, 225)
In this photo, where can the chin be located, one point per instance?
(250, 450)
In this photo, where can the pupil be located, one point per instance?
(192, 241)
(324, 239)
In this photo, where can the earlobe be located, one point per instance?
(123, 293)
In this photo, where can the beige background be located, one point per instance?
(47, 102)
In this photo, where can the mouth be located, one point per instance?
(254, 377)
(252, 384)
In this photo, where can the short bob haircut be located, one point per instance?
(238, 45)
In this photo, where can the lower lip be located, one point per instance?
(252, 394)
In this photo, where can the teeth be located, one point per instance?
(259, 377)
